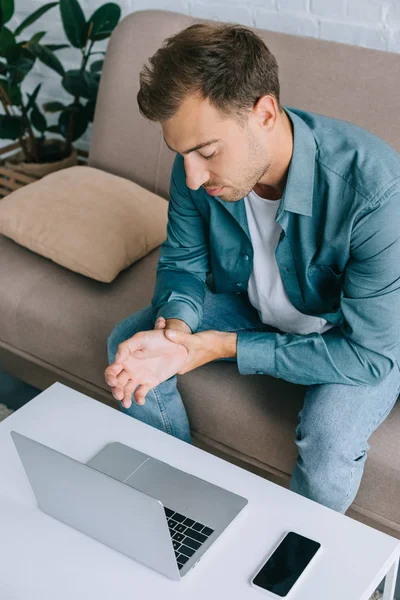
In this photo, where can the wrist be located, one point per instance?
(177, 324)
(228, 347)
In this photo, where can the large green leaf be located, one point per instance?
(74, 22)
(38, 120)
(47, 57)
(35, 39)
(20, 68)
(53, 129)
(7, 43)
(11, 128)
(34, 17)
(81, 84)
(80, 122)
(54, 47)
(89, 110)
(96, 66)
(103, 21)
(53, 107)
(6, 11)
(13, 91)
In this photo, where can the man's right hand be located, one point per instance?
(144, 361)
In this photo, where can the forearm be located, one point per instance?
(225, 341)
(311, 359)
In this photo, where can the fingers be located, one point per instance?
(140, 394)
(122, 379)
(110, 374)
(160, 323)
(113, 370)
(118, 393)
(127, 394)
(117, 388)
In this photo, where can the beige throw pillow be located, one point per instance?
(86, 220)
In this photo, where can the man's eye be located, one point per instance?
(208, 157)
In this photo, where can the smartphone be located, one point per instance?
(286, 563)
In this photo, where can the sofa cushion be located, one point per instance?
(86, 220)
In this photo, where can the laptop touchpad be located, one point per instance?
(117, 460)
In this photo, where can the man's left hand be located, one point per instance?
(203, 347)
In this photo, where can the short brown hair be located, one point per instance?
(228, 64)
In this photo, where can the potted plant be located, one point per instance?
(22, 119)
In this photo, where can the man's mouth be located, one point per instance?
(214, 191)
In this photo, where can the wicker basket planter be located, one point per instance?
(14, 172)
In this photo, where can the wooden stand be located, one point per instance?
(11, 179)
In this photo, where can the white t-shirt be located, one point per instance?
(265, 289)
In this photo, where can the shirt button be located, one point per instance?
(239, 285)
(246, 257)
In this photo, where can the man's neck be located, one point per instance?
(275, 180)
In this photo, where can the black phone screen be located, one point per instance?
(286, 564)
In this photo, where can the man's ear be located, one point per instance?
(266, 111)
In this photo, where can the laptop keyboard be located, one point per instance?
(187, 535)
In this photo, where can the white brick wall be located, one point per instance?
(369, 23)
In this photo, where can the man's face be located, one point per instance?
(236, 161)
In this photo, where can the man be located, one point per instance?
(282, 253)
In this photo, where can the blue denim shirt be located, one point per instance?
(338, 255)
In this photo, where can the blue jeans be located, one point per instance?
(334, 424)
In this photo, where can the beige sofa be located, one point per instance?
(54, 323)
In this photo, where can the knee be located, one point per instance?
(324, 436)
(315, 427)
(113, 341)
(142, 320)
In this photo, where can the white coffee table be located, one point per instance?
(43, 559)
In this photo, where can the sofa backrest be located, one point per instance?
(347, 82)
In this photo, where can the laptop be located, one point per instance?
(154, 513)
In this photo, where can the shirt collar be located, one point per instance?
(298, 192)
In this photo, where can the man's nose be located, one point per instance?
(196, 174)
